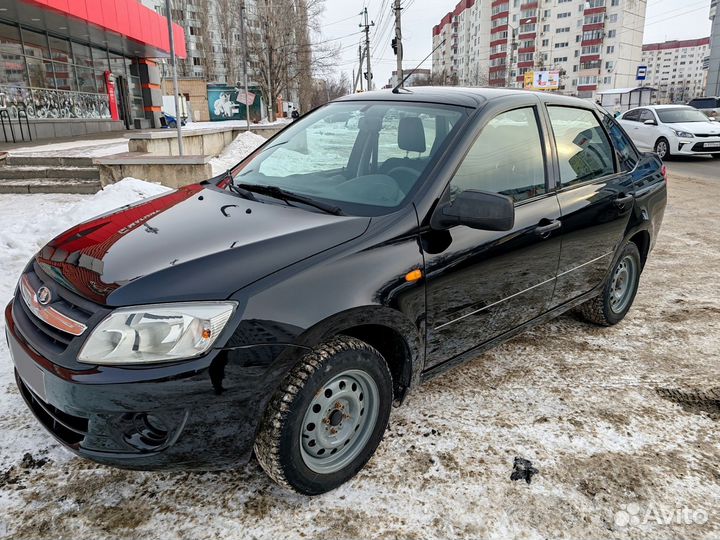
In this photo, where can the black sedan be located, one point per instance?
(284, 306)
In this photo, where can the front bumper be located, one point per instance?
(201, 414)
(697, 145)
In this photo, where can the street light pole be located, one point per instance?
(173, 61)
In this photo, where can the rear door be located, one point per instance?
(596, 198)
(630, 121)
(480, 284)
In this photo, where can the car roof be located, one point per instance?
(675, 106)
(474, 97)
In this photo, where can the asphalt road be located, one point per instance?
(702, 167)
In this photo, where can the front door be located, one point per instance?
(596, 198)
(480, 284)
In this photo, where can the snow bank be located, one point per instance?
(243, 145)
(46, 216)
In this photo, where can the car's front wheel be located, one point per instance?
(327, 418)
(662, 148)
(618, 294)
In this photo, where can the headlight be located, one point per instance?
(683, 134)
(156, 333)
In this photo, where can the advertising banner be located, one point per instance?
(228, 102)
(542, 80)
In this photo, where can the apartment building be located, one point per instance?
(595, 44)
(713, 76)
(213, 39)
(678, 69)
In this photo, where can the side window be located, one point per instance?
(646, 115)
(584, 152)
(627, 155)
(633, 116)
(506, 158)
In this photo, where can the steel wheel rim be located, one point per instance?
(662, 149)
(622, 284)
(339, 421)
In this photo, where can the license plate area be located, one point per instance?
(29, 372)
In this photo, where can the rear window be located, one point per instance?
(624, 150)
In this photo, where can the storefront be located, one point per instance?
(76, 67)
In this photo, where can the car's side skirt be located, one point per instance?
(473, 353)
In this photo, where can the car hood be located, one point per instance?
(697, 127)
(195, 243)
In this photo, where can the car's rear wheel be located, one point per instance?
(327, 418)
(618, 294)
(662, 148)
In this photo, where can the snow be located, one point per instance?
(243, 145)
(579, 401)
(76, 148)
(27, 222)
(234, 124)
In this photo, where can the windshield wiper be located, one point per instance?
(285, 195)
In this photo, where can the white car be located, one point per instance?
(672, 130)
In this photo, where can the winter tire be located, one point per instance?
(618, 294)
(327, 418)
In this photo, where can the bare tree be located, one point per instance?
(228, 14)
(206, 43)
(280, 41)
(329, 88)
(442, 78)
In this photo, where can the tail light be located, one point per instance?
(663, 171)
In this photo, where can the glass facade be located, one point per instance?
(54, 77)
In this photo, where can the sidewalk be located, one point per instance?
(101, 144)
(106, 144)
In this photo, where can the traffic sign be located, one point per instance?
(641, 73)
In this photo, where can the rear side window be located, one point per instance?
(584, 151)
(624, 150)
(633, 116)
(506, 158)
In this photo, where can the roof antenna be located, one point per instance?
(396, 90)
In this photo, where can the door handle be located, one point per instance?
(545, 230)
(622, 201)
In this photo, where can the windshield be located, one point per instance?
(363, 157)
(674, 116)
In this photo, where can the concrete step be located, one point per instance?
(49, 185)
(48, 161)
(23, 172)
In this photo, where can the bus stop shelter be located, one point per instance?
(622, 99)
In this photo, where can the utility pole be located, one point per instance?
(367, 48)
(360, 73)
(173, 61)
(398, 43)
(243, 14)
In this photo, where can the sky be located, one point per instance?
(664, 20)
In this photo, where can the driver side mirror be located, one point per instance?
(650, 122)
(476, 209)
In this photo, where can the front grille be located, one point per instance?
(68, 428)
(707, 134)
(44, 338)
(700, 147)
